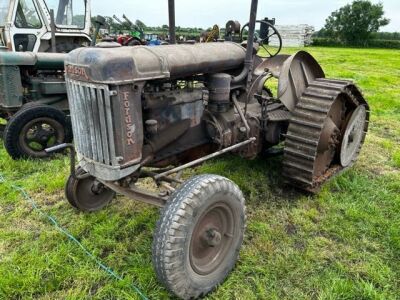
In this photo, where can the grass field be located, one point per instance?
(341, 244)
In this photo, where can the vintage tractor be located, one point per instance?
(136, 35)
(142, 112)
(26, 25)
(33, 97)
(34, 102)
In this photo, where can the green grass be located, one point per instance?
(341, 244)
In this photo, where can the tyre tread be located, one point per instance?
(26, 114)
(168, 241)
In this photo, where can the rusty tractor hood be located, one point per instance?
(141, 63)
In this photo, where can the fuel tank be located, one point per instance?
(142, 63)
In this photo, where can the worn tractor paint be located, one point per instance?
(145, 112)
(35, 35)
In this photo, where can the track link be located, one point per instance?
(306, 127)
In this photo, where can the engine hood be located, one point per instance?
(141, 63)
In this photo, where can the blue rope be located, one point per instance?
(52, 220)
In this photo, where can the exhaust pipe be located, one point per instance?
(171, 12)
(248, 62)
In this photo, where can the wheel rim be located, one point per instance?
(39, 134)
(353, 136)
(212, 237)
(89, 194)
(329, 138)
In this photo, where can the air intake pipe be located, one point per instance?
(250, 42)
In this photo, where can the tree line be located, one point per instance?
(357, 24)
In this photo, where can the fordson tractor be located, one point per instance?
(151, 112)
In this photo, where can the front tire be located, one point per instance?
(199, 235)
(33, 129)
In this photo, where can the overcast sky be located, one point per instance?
(205, 13)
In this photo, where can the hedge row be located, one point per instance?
(376, 43)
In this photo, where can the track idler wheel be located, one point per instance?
(325, 134)
(86, 193)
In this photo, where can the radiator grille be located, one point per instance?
(91, 115)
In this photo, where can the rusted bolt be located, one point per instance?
(212, 237)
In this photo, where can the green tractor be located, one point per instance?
(34, 37)
(136, 36)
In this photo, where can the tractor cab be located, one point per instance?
(26, 25)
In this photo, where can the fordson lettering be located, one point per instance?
(76, 71)
(130, 127)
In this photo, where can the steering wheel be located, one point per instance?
(271, 50)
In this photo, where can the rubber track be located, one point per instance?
(305, 127)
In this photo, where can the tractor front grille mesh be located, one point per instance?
(92, 123)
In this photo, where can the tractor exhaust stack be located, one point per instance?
(171, 12)
(250, 42)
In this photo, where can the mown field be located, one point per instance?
(341, 244)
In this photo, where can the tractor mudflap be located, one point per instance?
(325, 134)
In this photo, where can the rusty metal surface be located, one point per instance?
(107, 135)
(212, 237)
(295, 74)
(136, 194)
(170, 106)
(166, 104)
(314, 136)
(141, 63)
(272, 65)
(205, 158)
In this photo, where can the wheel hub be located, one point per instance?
(97, 187)
(211, 238)
(39, 134)
(87, 193)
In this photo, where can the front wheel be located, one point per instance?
(33, 129)
(199, 235)
(87, 194)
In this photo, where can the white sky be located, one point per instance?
(205, 13)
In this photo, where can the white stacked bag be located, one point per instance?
(293, 35)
